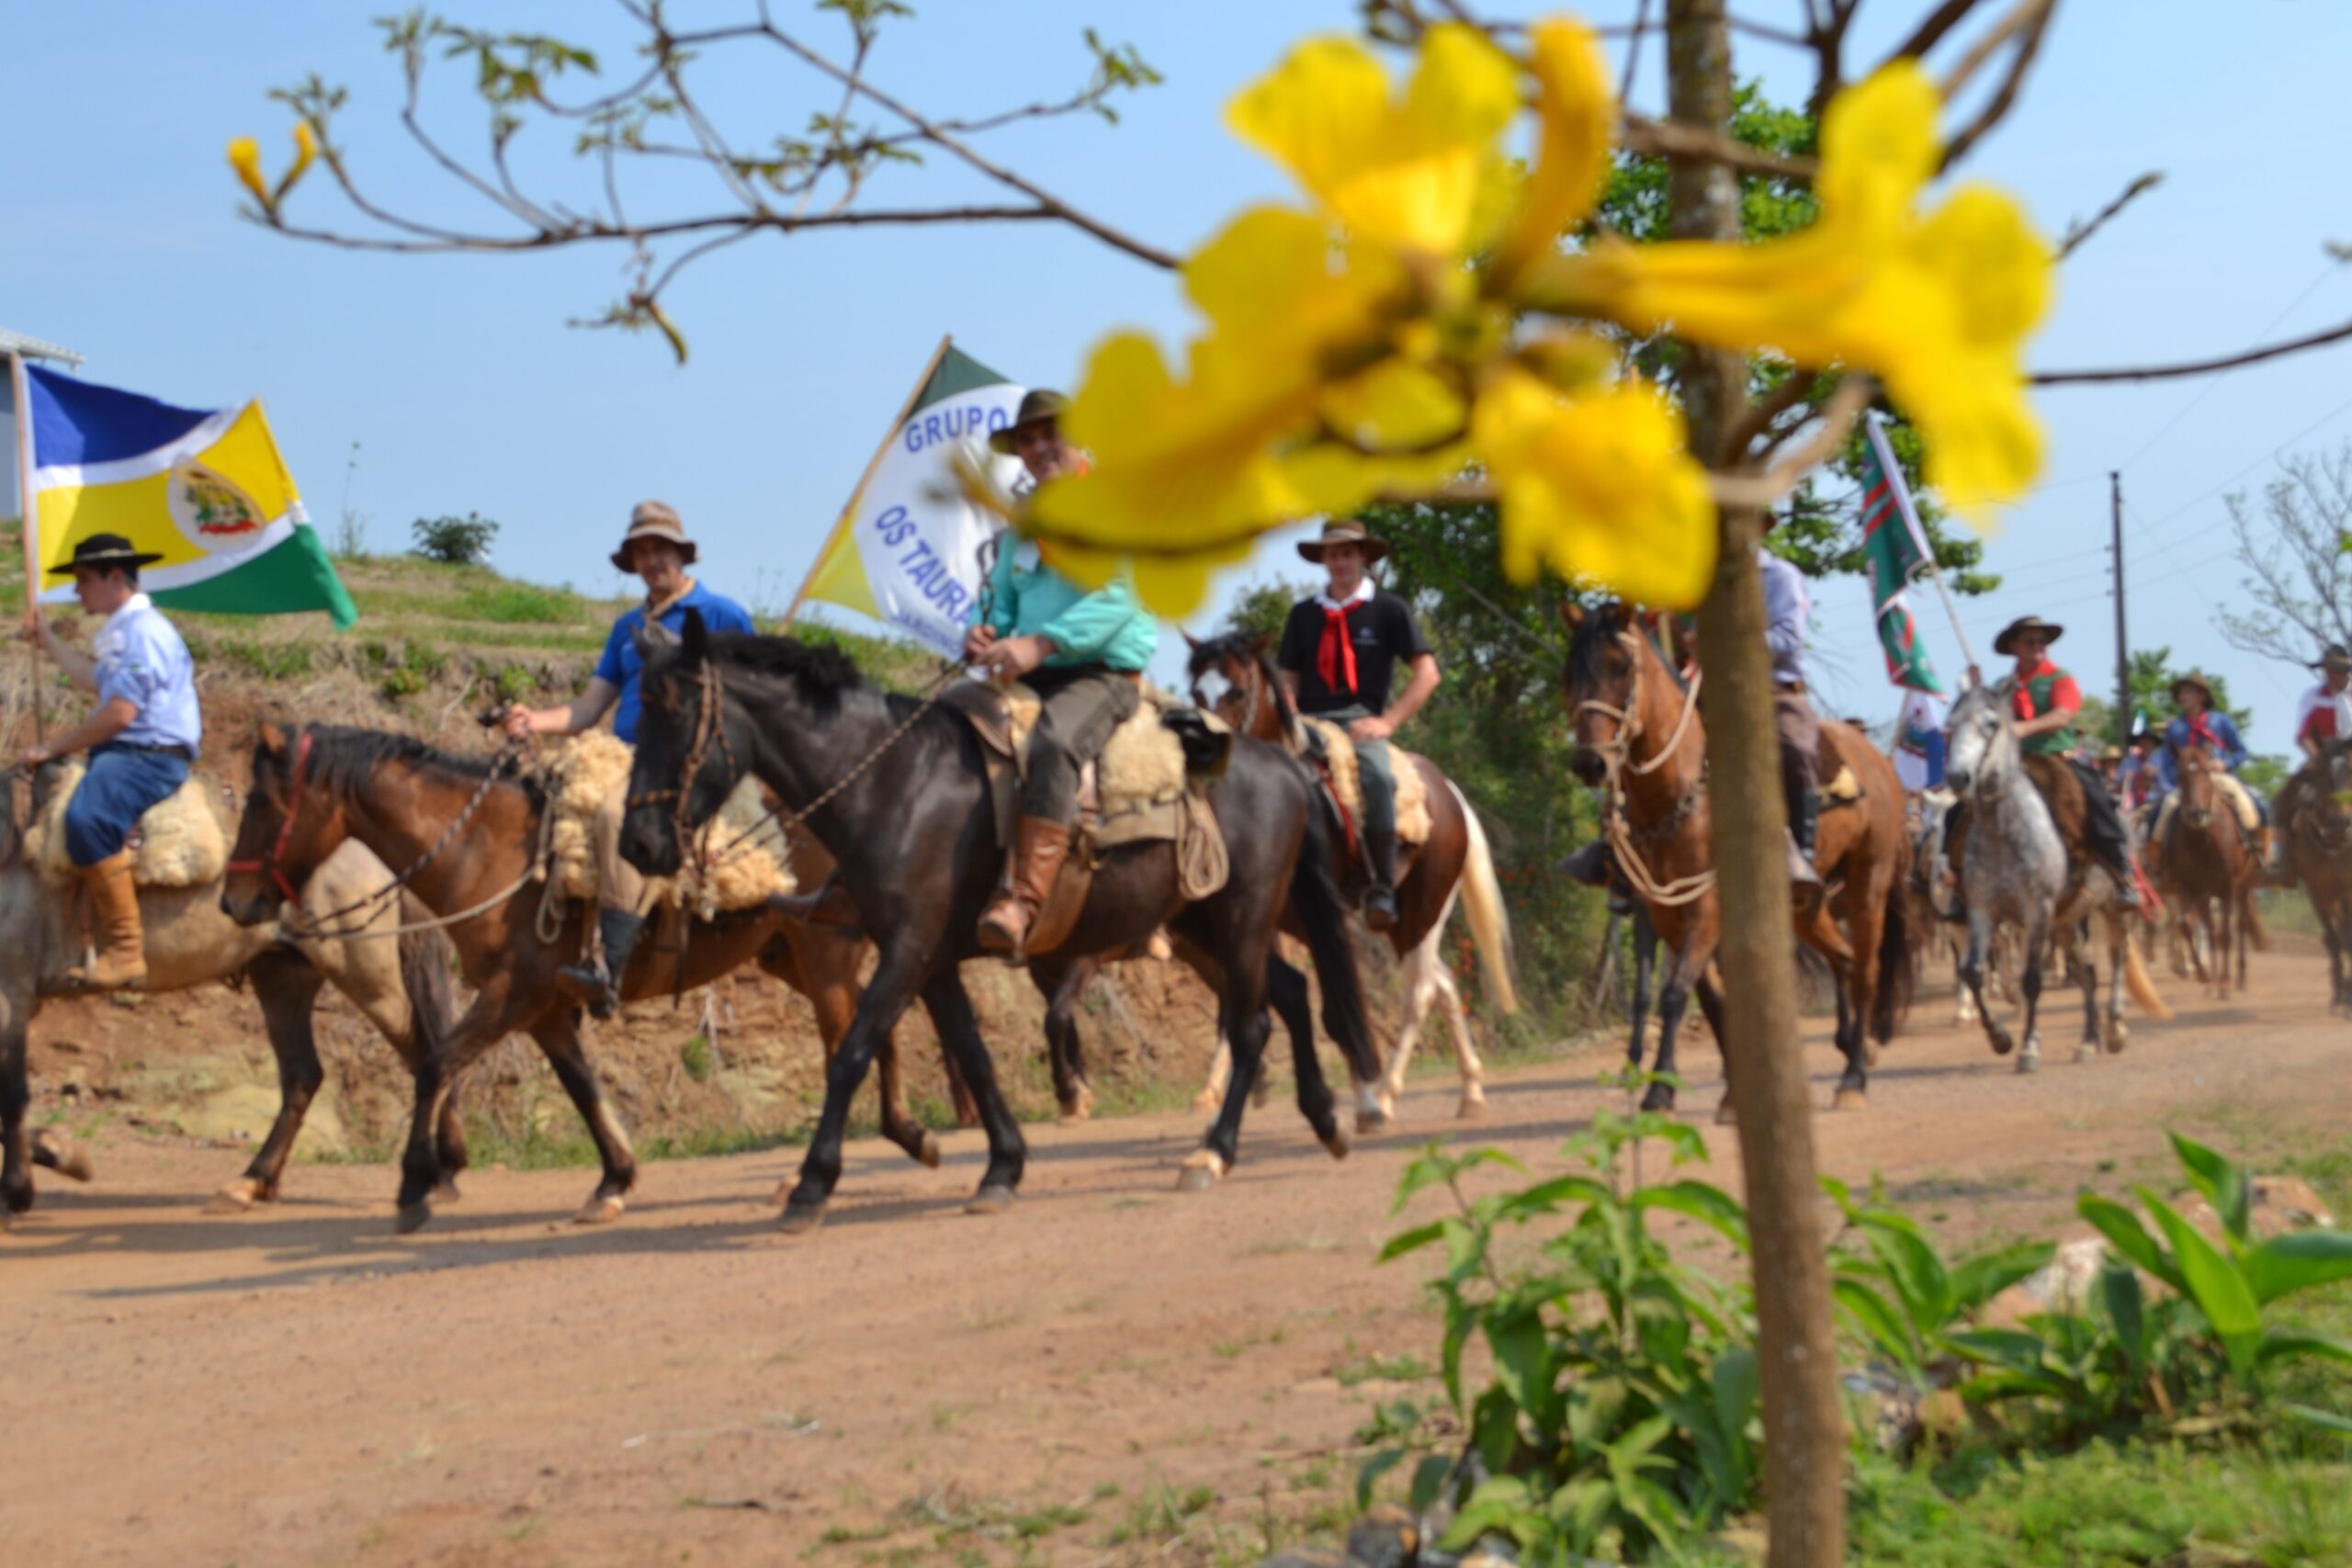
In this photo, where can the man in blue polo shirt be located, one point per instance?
(657, 549)
(142, 741)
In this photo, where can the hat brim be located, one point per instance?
(1375, 548)
(2006, 641)
(2192, 682)
(1001, 441)
(135, 560)
(621, 556)
(2330, 664)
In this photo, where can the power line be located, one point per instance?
(2206, 390)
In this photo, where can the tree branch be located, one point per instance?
(2033, 20)
(2192, 368)
(1670, 138)
(2132, 193)
(584, 231)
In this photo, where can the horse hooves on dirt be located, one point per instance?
(2029, 1064)
(63, 1155)
(237, 1198)
(1849, 1099)
(446, 1191)
(1371, 1118)
(800, 1219)
(2002, 1044)
(600, 1210)
(1471, 1109)
(2087, 1052)
(991, 1200)
(1202, 1170)
(411, 1218)
(1660, 1098)
(1338, 1143)
(927, 1152)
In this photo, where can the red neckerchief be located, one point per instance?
(1335, 657)
(2025, 696)
(2200, 728)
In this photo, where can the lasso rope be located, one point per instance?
(1617, 756)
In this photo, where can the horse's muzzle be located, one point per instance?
(1588, 766)
(650, 841)
(253, 909)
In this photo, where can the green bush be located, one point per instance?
(453, 541)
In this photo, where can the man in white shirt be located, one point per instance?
(2322, 717)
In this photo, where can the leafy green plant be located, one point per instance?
(1623, 1416)
(1895, 1290)
(453, 541)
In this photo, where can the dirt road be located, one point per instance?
(1107, 1365)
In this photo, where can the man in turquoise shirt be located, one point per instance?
(1082, 653)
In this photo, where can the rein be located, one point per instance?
(1617, 757)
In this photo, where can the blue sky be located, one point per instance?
(467, 391)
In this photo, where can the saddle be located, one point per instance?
(179, 842)
(1331, 752)
(743, 854)
(1149, 785)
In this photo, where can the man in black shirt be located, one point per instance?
(1338, 652)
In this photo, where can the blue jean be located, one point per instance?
(121, 785)
(1377, 774)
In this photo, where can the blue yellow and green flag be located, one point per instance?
(204, 489)
(1896, 548)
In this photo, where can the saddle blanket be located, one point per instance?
(590, 769)
(180, 841)
(1142, 764)
(1346, 781)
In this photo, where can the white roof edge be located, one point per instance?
(35, 348)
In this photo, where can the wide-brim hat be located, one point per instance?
(2335, 658)
(2191, 678)
(1037, 405)
(105, 550)
(1345, 530)
(2006, 642)
(654, 520)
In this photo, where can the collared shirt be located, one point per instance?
(2227, 748)
(2044, 688)
(1027, 597)
(1380, 634)
(2324, 715)
(1788, 617)
(622, 664)
(141, 660)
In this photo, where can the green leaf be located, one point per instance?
(1547, 1196)
(2124, 1232)
(2118, 1286)
(2326, 1420)
(1979, 1279)
(2282, 1347)
(1737, 1387)
(1877, 1319)
(2213, 1283)
(2013, 1349)
(1429, 1481)
(1413, 1240)
(1523, 1362)
(2297, 1261)
(2225, 1186)
(1704, 1202)
(1373, 1469)
(1913, 1268)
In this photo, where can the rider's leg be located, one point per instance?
(117, 788)
(1589, 866)
(1080, 711)
(1800, 733)
(620, 920)
(1375, 767)
(2103, 833)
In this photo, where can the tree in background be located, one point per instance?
(2294, 559)
(453, 541)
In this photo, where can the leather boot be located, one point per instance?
(1039, 847)
(121, 941)
(599, 985)
(1589, 865)
(1380, 895)
(1805, 818)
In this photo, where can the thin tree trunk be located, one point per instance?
(1804, 1425)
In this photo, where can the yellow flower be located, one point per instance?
(1600, 487)
(244, 156)
(1413, 172)
(1938, 309)
(306, 149)
(1572, 160)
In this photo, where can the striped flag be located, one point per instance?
(1896, 548)
(204, 489)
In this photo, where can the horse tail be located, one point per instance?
(2137, 981)
(2255, 929)
(1314, 896)
(426, 955)
(1897, 968)
(1483, 903)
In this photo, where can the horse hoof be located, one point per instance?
(2087, 1052)
(446, 1191)
(783, 1193)
(1659, 1097)
(799, 1219)
(1338, 1143)
(237, 1198)
(2002, 1044)
(1373, 1118)
(2117, 1037)
(600, 1210)
(1472, 1109)
(994, 1199)
(927, 1152)
(2029, 1065)
(411, 1217)
(1202, 1170)
(1725, 1115)
(63, 1155)
(1847, 1098)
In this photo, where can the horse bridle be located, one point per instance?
(711, 722)
(1617, 760)
(274, 862)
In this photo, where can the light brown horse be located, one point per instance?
(2318, 831)
(1638, 731)
(2210, 869)
(472, 829)
(1233, 677)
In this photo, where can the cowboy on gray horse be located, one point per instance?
(142, 741)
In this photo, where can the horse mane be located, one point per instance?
(1595, 630)
(343, 758)
(1242, 647)
(823, 672)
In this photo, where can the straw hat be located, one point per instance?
(1037, 405)
(1345, 530)
(2006, 642)
(2192, 678)
(654, 520)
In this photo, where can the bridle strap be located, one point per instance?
(275, 863)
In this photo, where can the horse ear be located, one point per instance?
(272, 738)
(1189, 641)
(696, 637)
(1571, 613)
(1621, 614)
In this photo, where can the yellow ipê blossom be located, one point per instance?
(1600, 487)
(1939, 309)
(306, 149)
(1578, 113)
(244, 156)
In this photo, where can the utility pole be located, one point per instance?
(2122, 645)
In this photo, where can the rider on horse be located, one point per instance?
(2321, 718)
(2046, 702)
(142, 741)
(657, 549)
(2201, 724)
(1338, 650)
(1082, 653)
(1788, 617)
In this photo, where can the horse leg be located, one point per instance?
(1972, 975)
(287, 987)
(449, 1145)
(1211, 1093)
(885, 998)
(951, 1013)
(2037, 947)
(1286, 989)
(482, 1025)
(1465, 1053)
(2119, 934)
(1420, 964)
(1246, 1027)
(2079, 958)
(559, 1039)
(1645, 977)
(15, 1099)
(1059, 983)
(1673, 995)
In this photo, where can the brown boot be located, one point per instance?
(1039, 847)
(121, 962)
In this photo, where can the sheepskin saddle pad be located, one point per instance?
(1339, 760)
(179, 844)
(1143, 763)
(744, 850)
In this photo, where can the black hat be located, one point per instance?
(105, 550)
(1037, 406)
(2050, 630)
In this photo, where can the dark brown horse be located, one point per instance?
(1639, 732)
(2318, 833)
(2210, 868)
(1233, 677)
(319, 787)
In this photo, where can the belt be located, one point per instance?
(184, 753)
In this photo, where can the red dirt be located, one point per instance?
(301, 1386)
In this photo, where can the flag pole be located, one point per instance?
(849, 511)
(1873, 423)
(20, 395)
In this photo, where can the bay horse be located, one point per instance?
(1639, 731)
(399, 985)
(2319, 857)
(1233, 676)
(2209, 867)
(898, 792)
(471, 827)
